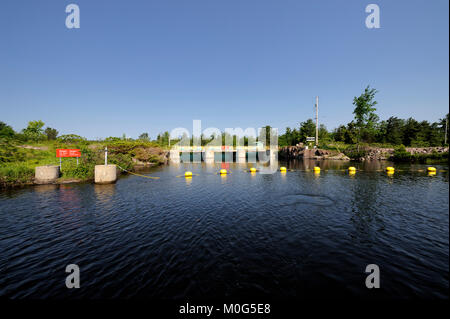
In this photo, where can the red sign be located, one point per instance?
(60, 152)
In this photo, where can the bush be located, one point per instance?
(355, 153)
(122, 160)
(70, 138)
(82, 170)
(401, 155)
(15, 174)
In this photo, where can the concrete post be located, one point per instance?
(241, 155)
(175, 156)
(105, 174)
(209, 156)
(273, 155)
(46, 174)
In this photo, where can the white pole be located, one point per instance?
(317, 121)
(106, 155)
(446, 124)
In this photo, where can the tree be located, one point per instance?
(51, 133)
(144, 137)
(444, 129)
(34, 131)
(6, 130)
(394, 130)
(410, 131)
(307, 129)
(323, 132)
(365, 117)
(339, 133)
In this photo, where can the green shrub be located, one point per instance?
(15, 174)
(355, 153)
(82, 171)
(70, 138)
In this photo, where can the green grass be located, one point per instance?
(17, 163)
(15, 174)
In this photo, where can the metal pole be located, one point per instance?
(106, 155)
(77, 161)
(446, 124)
(317, 121)
(60, 163)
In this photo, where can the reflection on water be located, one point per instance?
(104, 192)
(45, 189)
(293, 234)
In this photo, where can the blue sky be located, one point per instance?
(150, 66)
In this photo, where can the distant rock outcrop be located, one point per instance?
(296, 152)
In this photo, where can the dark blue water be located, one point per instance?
(289, 235)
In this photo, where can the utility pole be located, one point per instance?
(446, 124)
(317, 121)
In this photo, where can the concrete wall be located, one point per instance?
(105, 174)
(46, 174)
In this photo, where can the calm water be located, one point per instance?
(283, 235)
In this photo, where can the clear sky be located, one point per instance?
(153, 65)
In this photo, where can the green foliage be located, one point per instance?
(51, 133)
(401, 155)
(355, 152)
(6, 131)
(81, 171)
(123, 160)
(70, 138)
(393, 130)
(365, 117)
(307, 129)
(15, 174)
(144, 137)
(112, 139)
(163, 139)
(146, 155)
(34, 131)
(7, 151)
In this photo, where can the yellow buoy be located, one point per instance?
(223, 171)
(253, 170)
(316, 169)
(352, 169)
(431, 169)
(282, 169)
(188, 174)
(431, 173)
(390, 169)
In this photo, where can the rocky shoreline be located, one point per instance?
(370, 153)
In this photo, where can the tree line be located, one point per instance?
(367, 128)
(364, 128)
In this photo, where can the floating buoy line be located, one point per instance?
(351, 170)
(140, 175)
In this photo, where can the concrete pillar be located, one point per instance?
(240, 158)
(174, 156)
(209, 156)
(105, 174)
(46, 174)
(273, 155)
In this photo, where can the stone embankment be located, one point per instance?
(377, 153)
(296, 152)
(370, 153)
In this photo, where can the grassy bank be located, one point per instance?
(18, 160)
